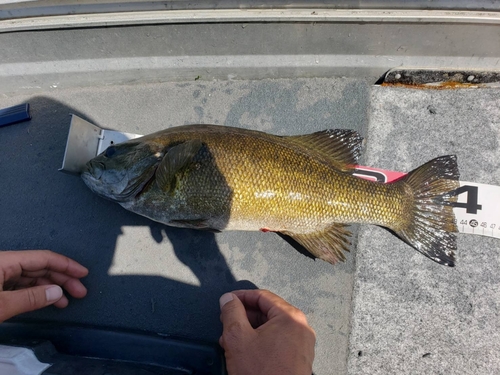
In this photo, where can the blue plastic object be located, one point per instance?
(15, 114)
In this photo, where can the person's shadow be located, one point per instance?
(43, 208)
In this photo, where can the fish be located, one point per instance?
(215, 178)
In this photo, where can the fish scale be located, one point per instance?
(287, 190)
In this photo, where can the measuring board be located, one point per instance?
(477, 210)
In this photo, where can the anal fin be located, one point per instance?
(200, 224)
(328, 245)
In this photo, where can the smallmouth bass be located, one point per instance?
(222, 178)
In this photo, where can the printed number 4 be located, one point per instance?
(471, 205)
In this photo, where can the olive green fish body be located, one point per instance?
(241, 182)
(220, 178)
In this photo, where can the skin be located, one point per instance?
(263, 334)
(30, 280)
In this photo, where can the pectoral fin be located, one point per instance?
(177, 158)
(328, 245)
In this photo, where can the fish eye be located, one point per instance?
(110, 151)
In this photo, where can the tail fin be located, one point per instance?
(433, 221)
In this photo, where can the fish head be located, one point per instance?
(122, 171)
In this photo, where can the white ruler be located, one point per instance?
(478, 209)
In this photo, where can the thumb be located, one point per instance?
(20, 301)
(235, 324)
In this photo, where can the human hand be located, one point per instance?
(263, 334)
(30, 280)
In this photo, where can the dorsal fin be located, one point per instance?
(177, 157)
(340, 147)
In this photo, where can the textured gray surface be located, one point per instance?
(150, 277)
(413, 316)
(44, 60)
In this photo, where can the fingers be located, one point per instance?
(62, 302)
(261, 306)
(269, 304)
(20, 301)
(35, 263)
(256, 317)
(28, 271)
(73, 286)
(234, 320)
(284, 343)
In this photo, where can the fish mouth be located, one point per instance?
(87, 175)
(92, 176)
(92, 171)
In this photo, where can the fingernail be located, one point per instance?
(53, 293)
(225, 298)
